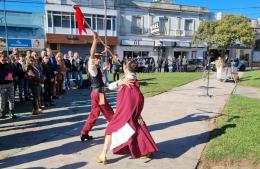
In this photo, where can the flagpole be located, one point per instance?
(102, 42)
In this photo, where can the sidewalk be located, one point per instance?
(248, 91)
(179, 121)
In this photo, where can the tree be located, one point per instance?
(229, 31)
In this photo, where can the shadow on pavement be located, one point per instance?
(186, 119)
(31, 130)
(177, 147)
(65, 149)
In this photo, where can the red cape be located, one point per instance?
(130, 102)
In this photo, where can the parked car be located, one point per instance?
(195, 65)
(243, 64)
(146, 65)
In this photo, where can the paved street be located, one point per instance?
(179, 120)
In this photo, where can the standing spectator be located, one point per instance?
(14, 52)
(78, 70)
(227, 64)
(179, 64)
(184, 63)
(174, 64)
(116, 68)
(61, 73)
(68, 71)
(106, 68)
(38, 65)
(48, 80)
(35, 82)
(6, 87)
(28, 54)
(166, 65)
(219, 66)
(53, 63)
(235, 65)
(20, 72)
(26, 83)
(160, 63)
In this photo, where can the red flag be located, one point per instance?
(80, 19)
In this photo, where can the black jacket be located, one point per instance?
(5, 69)
(47, 70)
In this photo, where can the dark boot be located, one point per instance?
(84, 137)
(12, 115)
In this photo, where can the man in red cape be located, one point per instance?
(127, 133)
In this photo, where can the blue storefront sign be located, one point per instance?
(20, 43)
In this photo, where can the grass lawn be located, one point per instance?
(237, 137)
(251, 78)
(156, 83)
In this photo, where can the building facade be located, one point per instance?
(61, 27)
(159, 28)
(25, 30)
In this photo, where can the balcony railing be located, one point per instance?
(136, 30)
(189, 32)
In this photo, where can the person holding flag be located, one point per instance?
(98, 100)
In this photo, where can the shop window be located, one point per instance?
(194, 54)
(54, 46)
(145, 54)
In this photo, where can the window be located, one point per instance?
(94, 21)
(194, 54)
(63, 2)
(163, 25)
(66, 21)
(178, 23)
(136, 25)
(88, 20)
(108, 24)
(72, 21)
(50, 19)
(188, 24)
(114, 23)
(100, 24)
(57, 19)
(54, 46)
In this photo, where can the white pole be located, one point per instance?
(6, 31)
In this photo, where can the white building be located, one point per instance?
(142, 26)
(61, 27)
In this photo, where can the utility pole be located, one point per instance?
(105, 24)
(6, 31)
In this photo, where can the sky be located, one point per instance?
(23, 5)
(249, 8)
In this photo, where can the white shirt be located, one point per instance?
(92, 68)
(114, 86)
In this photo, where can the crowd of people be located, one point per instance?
(43, 76)
(178, 64)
